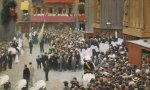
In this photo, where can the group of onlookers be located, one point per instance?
(7, 55)
(114, 72)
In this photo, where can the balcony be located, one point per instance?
(52, 19)
(59, 1)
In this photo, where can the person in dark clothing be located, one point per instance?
(26, 74)
(66, 87)
(46, 70)
(14, 44)
(55, 61)
(43, 61)
(42, 46)
(45, 57)
(74, 83)
(69, 61)
(78, 57)
(10, 59)
(4, 60)
(70, 9)
(30, 46)
(38, 60)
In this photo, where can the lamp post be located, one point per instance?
(108, 24)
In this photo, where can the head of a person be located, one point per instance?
(30, 63)
(25, 66)
(45, 53)
(65, 83)
(74, 78)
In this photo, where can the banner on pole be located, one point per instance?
(24, 5)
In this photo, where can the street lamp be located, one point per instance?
(108, 24)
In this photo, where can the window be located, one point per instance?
(50, 10)
(81, 11)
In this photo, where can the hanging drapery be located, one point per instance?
(24, 5)
(81, 18)
(53, 19)
(8, 11)
(12, 12)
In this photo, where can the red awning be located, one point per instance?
(59, 1)
(52, 19)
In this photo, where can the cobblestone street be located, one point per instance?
(56, 78)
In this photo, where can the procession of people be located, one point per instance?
(106, 58)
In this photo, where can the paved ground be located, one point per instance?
(56, 78)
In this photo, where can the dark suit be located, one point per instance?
(26, 75)
(4, 61)
(42, 46)
(10, 59)
(30, 46)
(46, 70)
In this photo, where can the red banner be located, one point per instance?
(81, 18)
(59, 1)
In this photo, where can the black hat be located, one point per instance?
(65, 82)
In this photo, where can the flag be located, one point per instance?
(40, 36)
(24, 5)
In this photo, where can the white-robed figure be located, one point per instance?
(21, 84)
(89, 68)
(13, 52)
(4, 80)
(39, 85)
(20, 46)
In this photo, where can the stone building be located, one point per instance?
(136, 21)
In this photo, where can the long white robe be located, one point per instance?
(16, 58)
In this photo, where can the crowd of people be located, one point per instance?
(114, 72)
(68, 50)
(9, 52)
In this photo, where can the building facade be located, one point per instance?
(67, 13)
(136, 20)
(55, 13)
(108, 10)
